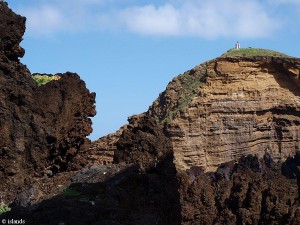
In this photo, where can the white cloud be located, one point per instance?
(148, 19)
(208, 18)
(46, 19)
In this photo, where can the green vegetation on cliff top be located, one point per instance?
(192, 82)
(253, 52)
(42, 79)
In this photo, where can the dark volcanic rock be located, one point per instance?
(130, 197)
(253, 194)
(65, 107)
(12, 28)
(143, 142)
(42, 128)
(143, 193)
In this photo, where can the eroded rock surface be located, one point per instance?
(42, 128)
(103, 150)
(252, 191)
(141, 190)
(229, 107)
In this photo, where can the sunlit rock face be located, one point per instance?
(232, 106)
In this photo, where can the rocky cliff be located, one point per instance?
(232, 106)
(103, 150)
(142, 189)
(252, 191)
(150, 190)
(42, 128)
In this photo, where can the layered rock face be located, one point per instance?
(103, 150)
(42, 128)
(229, 107)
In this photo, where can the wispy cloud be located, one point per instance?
(163, 20)
(286, 1)
(47, 18)
(207, 19)
(44, 19)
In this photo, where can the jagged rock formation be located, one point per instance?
(142, 143)
(11, 33)
(42, 128)
(145, 192)
(252, 191)
(232, 106)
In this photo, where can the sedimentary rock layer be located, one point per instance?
(103, 150)
(229, 107)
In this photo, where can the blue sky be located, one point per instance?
(128, 50)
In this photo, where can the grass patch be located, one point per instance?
(42, 79)
(4, 208)
(252, 52)
(76, 191)
(70, 192)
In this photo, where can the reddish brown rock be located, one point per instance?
(254, 193)
(229, 107)
(143, 143)
(42, 128)
(12, 28)
(102, 151)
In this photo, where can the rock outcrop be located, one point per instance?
(103, 150)
(12, 28)
(141, 189)
(232, 106)
(143, 143)
(252, 191)
(42, 128)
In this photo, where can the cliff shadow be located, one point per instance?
(128, 197)
(286, 79)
